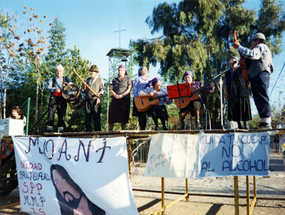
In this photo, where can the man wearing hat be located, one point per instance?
(56, 101)
(92, 102)
(259, 73)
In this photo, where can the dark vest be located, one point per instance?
(236, 86)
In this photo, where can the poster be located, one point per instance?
(59, 175)
(173, 156)
(208, 155)
(234, 154)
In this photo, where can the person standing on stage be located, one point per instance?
(194, 106)
(57, 102)
(139, 85)
(93, 102)
(119, 111)
(237, 94)
(259, 73)
(157, 112)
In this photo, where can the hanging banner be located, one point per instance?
(234, 154)
(208, 155)
(59, 175)
(173, 156)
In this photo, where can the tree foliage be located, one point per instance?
(36, 54)
(197, 35)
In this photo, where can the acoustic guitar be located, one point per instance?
(244, 62)
(143, 103)
(184, 101)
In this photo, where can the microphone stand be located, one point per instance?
(221, 94)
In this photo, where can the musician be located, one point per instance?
(57, 102)
(140, 84)
(93, 102)
(120, 105)
(194, 106)
(259, 73)
(237, 94)
(157, 112)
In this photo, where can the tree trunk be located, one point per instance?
(36, 105)
(4, 102)
(1, 99)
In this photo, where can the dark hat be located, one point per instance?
(153, 81)
(94, 68)
(124, 68)
(187, 73)
(258, 36)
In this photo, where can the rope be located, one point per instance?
(277, 79)
(135, 151)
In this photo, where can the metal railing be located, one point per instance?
(27, 102)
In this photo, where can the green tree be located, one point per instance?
(9, 56)
(197, 36)
(57, 52)
(33, 50)
(75, 119)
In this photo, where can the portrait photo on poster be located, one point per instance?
(71, 198)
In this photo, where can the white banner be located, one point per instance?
(173, 155)
(60, 175)
(234, 154)
(208, 155)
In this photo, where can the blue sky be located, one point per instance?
(90, 24)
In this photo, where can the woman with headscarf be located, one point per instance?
(237, 94)
(157, 112)
(139, 85)
(194, 106)
(119, 111)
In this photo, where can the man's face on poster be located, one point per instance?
(66, 190)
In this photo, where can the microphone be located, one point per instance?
(233, 63)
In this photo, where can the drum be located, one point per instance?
(73, 96)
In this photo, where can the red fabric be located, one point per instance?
(59, 94)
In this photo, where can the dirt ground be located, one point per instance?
(201, 200)
(267, 187)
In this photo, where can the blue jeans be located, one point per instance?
(259, 86)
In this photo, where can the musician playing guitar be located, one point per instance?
(195, 105)
(259, 72)
(157, 112)
(140, 84)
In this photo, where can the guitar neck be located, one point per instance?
(157, 97)
(198, 90)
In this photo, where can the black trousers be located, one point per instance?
(91, 113)
(59, 104)
(259, 86)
